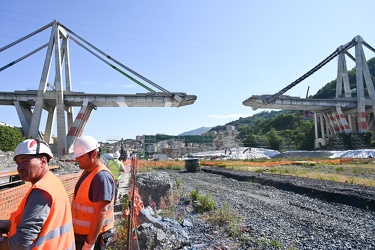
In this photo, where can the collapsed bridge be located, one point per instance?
(351, 111)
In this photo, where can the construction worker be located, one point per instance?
(43, 219)
(93, 199)
(116, 167)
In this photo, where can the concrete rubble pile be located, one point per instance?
(152, 187)
(155, 231)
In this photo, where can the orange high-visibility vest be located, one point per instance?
(83, 208)
(57, 231)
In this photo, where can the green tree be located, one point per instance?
(285, 121)
(274, 139)
(10, 138)
(289, 126)
(305, 136)
(250, 141)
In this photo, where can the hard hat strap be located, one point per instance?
(38, 146)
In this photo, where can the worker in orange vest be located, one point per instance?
(43, 219)
(93, 199)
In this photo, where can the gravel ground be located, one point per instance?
(281, 217)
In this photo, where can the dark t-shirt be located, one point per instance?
(101, 188)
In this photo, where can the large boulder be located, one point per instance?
(153, 186)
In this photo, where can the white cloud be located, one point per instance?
(229, 116)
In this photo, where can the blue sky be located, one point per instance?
(221, 51)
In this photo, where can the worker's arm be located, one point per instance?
(4, 229)
(4, 226)
(100, 211)
(4, 243)
(37, 208)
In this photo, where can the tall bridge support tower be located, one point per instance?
(57, 46)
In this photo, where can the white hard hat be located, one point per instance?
(84, 145)
(32, 147)
(116, 154)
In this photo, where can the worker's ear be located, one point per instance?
(95, 153)
(44, 159)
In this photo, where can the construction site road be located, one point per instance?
(281, 212)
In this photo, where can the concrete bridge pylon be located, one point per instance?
(61, 51)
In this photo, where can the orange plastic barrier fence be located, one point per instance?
(11, 198)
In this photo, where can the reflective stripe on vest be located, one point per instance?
(115, 167)
(57, 230)
(53, 234)
(86, 209)
(83, 208)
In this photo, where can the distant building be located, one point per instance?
(178, 146)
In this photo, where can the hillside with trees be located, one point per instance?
(279, 130)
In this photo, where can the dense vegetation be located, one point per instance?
(282, 130)
(10, 138)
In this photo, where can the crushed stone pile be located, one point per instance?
(277, 218)
(65, 163)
